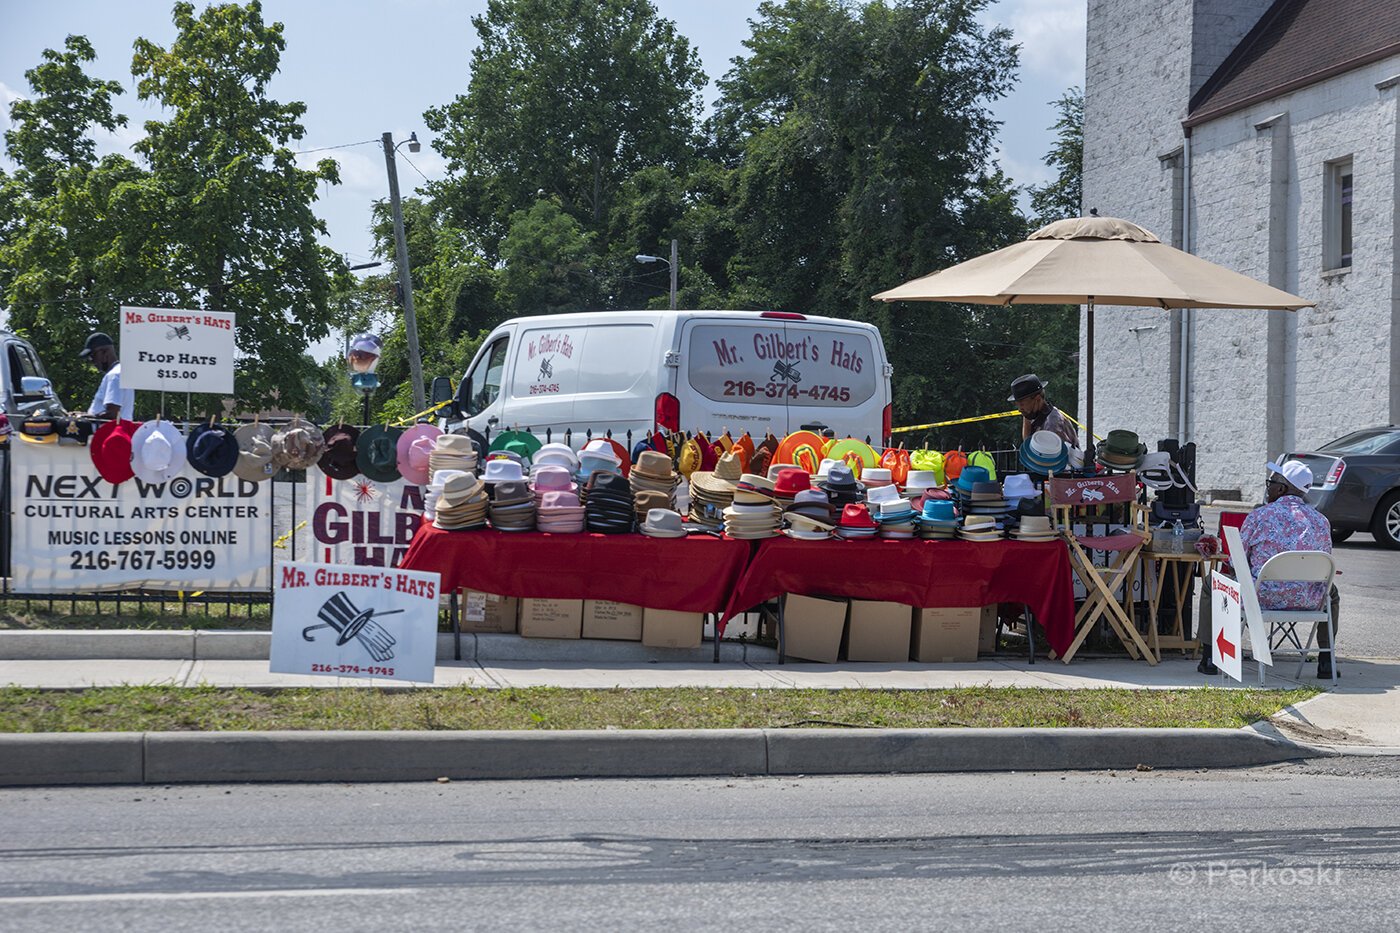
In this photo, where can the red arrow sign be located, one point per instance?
(1227, 650)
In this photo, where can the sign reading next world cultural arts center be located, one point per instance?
(172, 350)
(71, 531)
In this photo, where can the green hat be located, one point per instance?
(521, 443)
(377, 453)
(1125, 443)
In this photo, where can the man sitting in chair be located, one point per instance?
(1287, 523)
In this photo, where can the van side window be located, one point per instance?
(483, 384)
(20, 365)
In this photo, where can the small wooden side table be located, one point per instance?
(1181, 588)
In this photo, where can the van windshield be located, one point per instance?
(482, 385)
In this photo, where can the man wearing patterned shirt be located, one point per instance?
(1287, 523)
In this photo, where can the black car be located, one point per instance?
(1356, 483)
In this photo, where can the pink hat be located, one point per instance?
(549, 478)
(559, 500)
(413, 456)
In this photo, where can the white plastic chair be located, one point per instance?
(1300, 567)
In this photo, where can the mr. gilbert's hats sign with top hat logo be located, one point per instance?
(174, 350)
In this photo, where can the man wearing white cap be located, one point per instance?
(1286, 523)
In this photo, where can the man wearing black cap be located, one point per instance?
(1037, 414)
(111, 400)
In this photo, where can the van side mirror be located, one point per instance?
(35, 387)
(441, 390)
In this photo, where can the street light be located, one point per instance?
(673, 263)
(415, 362)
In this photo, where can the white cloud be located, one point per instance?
(1051, 35)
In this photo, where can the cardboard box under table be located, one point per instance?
(692, 575)
(813, 627)
(945, 636)
(488, 612)
(664, 628)
(879, 631)
(551, 618)
(603, 618)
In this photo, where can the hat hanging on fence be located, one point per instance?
(39, 430)
(111, 450)
(377, 453)
(522, 443)
(254, 453)
(157, 452)
(412, 450)
(298, 445)
(74, 430)
(984, 460)
(338, 459)
(953, 463)
(212, 449)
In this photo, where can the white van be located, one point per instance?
(708, 371)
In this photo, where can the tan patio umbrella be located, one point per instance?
(1089, 260)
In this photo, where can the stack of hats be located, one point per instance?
(856, 522)
(512, 507)
(875, 477)
(985, 499)
(810, 517)
(653, 483)
(967, 479)
(918, 483)
(979, 528)
(749, 522)
(753, 489)
(560, 513)
(663, 523)
(1120, 451)
(895, 518)
(713, 492)
(598, 455)
(608, 505)
(556, 455)
(549, 478)
(1019, 490)
(1044, 452)
(460, 503)
(502, 471)
(452, 452)
(789, 482)
(338, 459)
(841, 486)
(824, 470)
(1034, 528)
(938, 521)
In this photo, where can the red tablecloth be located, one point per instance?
(693, 574)
(919, 573)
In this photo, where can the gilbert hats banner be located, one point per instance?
(173, 350)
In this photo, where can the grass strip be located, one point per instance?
(175, 709)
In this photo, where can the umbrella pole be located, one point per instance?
(1089, 382)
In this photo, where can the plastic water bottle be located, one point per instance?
(1178, 537)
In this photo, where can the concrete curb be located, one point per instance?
(223, 757)
(233, 645)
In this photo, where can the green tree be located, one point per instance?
(862, 140)
(240, 232)
(1064, 195)
(548, 262)
(76, 232)
(567, 99)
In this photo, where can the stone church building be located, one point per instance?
(1263, 135)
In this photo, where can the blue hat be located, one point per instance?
(1044, 452)
(972, 475)
(938, 510)
(212, 450)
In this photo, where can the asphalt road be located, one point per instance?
(1292, 847)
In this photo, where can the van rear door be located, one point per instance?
(778, 373)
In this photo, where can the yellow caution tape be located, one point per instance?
(411, 419)
(282, 541)
(1000, 414)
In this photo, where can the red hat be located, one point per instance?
(111, 450)
(856, 515)
(790, 482)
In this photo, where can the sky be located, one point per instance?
(364, 68)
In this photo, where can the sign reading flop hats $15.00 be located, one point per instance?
(173, 350)
(354, 622)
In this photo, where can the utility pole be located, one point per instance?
(415, 362)
(674, 263)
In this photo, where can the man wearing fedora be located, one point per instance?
(1037, 414)
(111, 400)
(1287, 522)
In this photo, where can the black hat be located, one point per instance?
(1025, 387)
(338, 459)
(212, 449)
(95, 340)
(376, 453)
